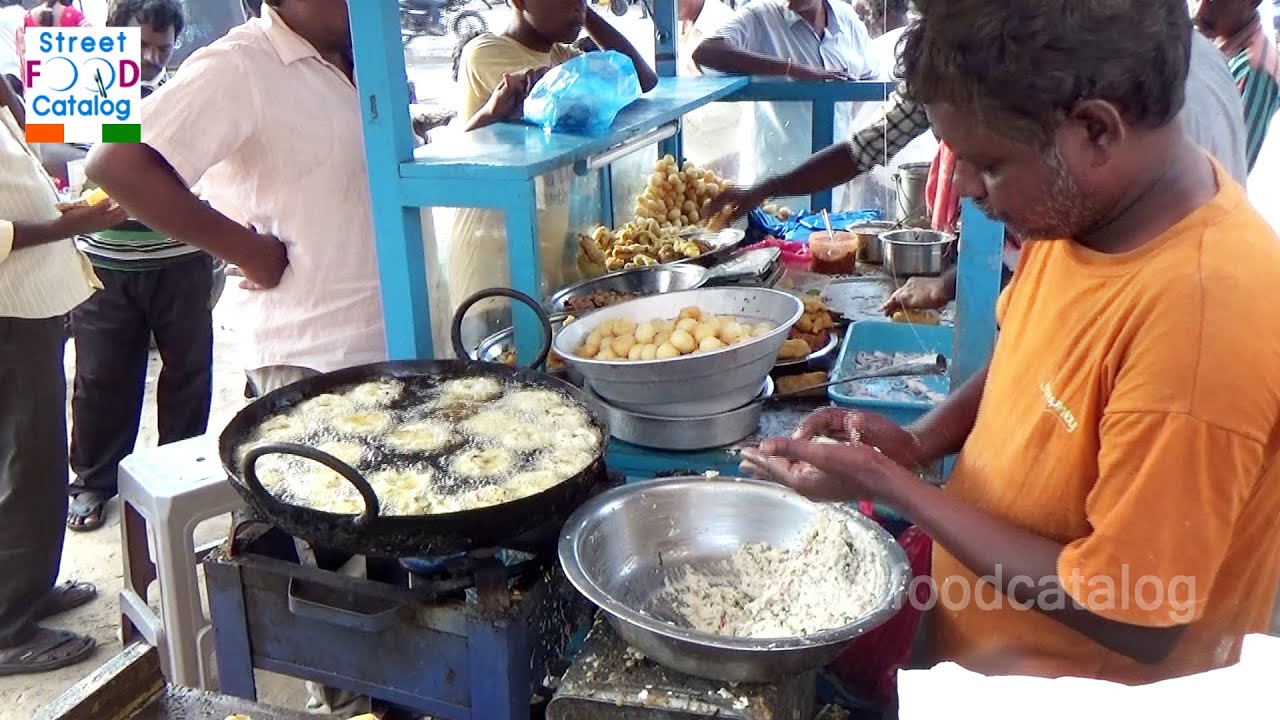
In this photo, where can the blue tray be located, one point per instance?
(890, 337)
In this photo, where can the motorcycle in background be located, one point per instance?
(437, 18)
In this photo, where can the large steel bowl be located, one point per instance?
(620, 547)
(690, 385)
(643, 282)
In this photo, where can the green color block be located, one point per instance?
(122, 133)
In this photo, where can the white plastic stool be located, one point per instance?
(164, 493)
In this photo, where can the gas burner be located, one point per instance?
(487, 577)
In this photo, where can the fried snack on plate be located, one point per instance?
(796, 383)
(794, 349)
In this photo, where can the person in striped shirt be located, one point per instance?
(153, 285)
(1235, 26)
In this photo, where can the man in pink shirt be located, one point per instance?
(267, 120)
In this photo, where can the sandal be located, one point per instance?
(87, 512)
(44, 651)
(67, 596)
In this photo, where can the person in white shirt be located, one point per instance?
(814, 40)
(269, 117)
(699, 20)
(11, 21)
(710, 132)
(42, 277)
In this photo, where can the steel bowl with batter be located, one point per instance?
(621, 546)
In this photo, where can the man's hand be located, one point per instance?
(262, 264)
(919, 293)
(809, 74)
(828, 471)
(85, 219)
(871, 429)
(736, 202)
(507, 100)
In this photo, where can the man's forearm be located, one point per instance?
(823, 170)
(1023, 565)
(144, 184)
(608, 38)
(717, 54)
(27, 235)
(944, 429)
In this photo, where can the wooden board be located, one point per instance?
(131, 686)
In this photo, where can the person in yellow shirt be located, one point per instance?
(1112, 512)
(495, 73)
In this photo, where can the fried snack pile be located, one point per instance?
(674, 201)
(811, 333)
(694, 331)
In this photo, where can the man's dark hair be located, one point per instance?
(158, 14)
(1025, 63)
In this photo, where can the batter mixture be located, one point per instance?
(835, 576)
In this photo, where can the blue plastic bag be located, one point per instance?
(583, 94)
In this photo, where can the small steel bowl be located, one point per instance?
(620, 547)
(915, 252)
(869, 249)
(643, 282)
(492, 349)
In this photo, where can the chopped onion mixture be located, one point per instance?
(836, 576)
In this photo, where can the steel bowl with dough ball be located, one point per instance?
(624, 548)
(701, 383)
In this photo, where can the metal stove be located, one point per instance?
(467, 637)
(609, 681)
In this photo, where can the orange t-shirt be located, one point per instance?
(1131, 413)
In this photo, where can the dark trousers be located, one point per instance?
(112, 333)
(33, 468)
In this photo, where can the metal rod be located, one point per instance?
(626, 147)
(920, 368)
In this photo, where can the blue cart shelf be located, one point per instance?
(495, 168)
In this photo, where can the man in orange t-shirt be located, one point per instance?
(1113, 511)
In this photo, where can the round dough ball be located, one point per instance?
(621, 346)
(692, 311)
(645, 333)
(623, 326)
(730, 331)
(667, 351)
(760, 329)
(606, 355)
(686, 324)
(683, 341)
(710, 344)
(649, 352)
(635, 352)
(705, 330)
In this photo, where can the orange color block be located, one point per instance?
(37, 133)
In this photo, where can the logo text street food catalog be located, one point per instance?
(83, 84)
